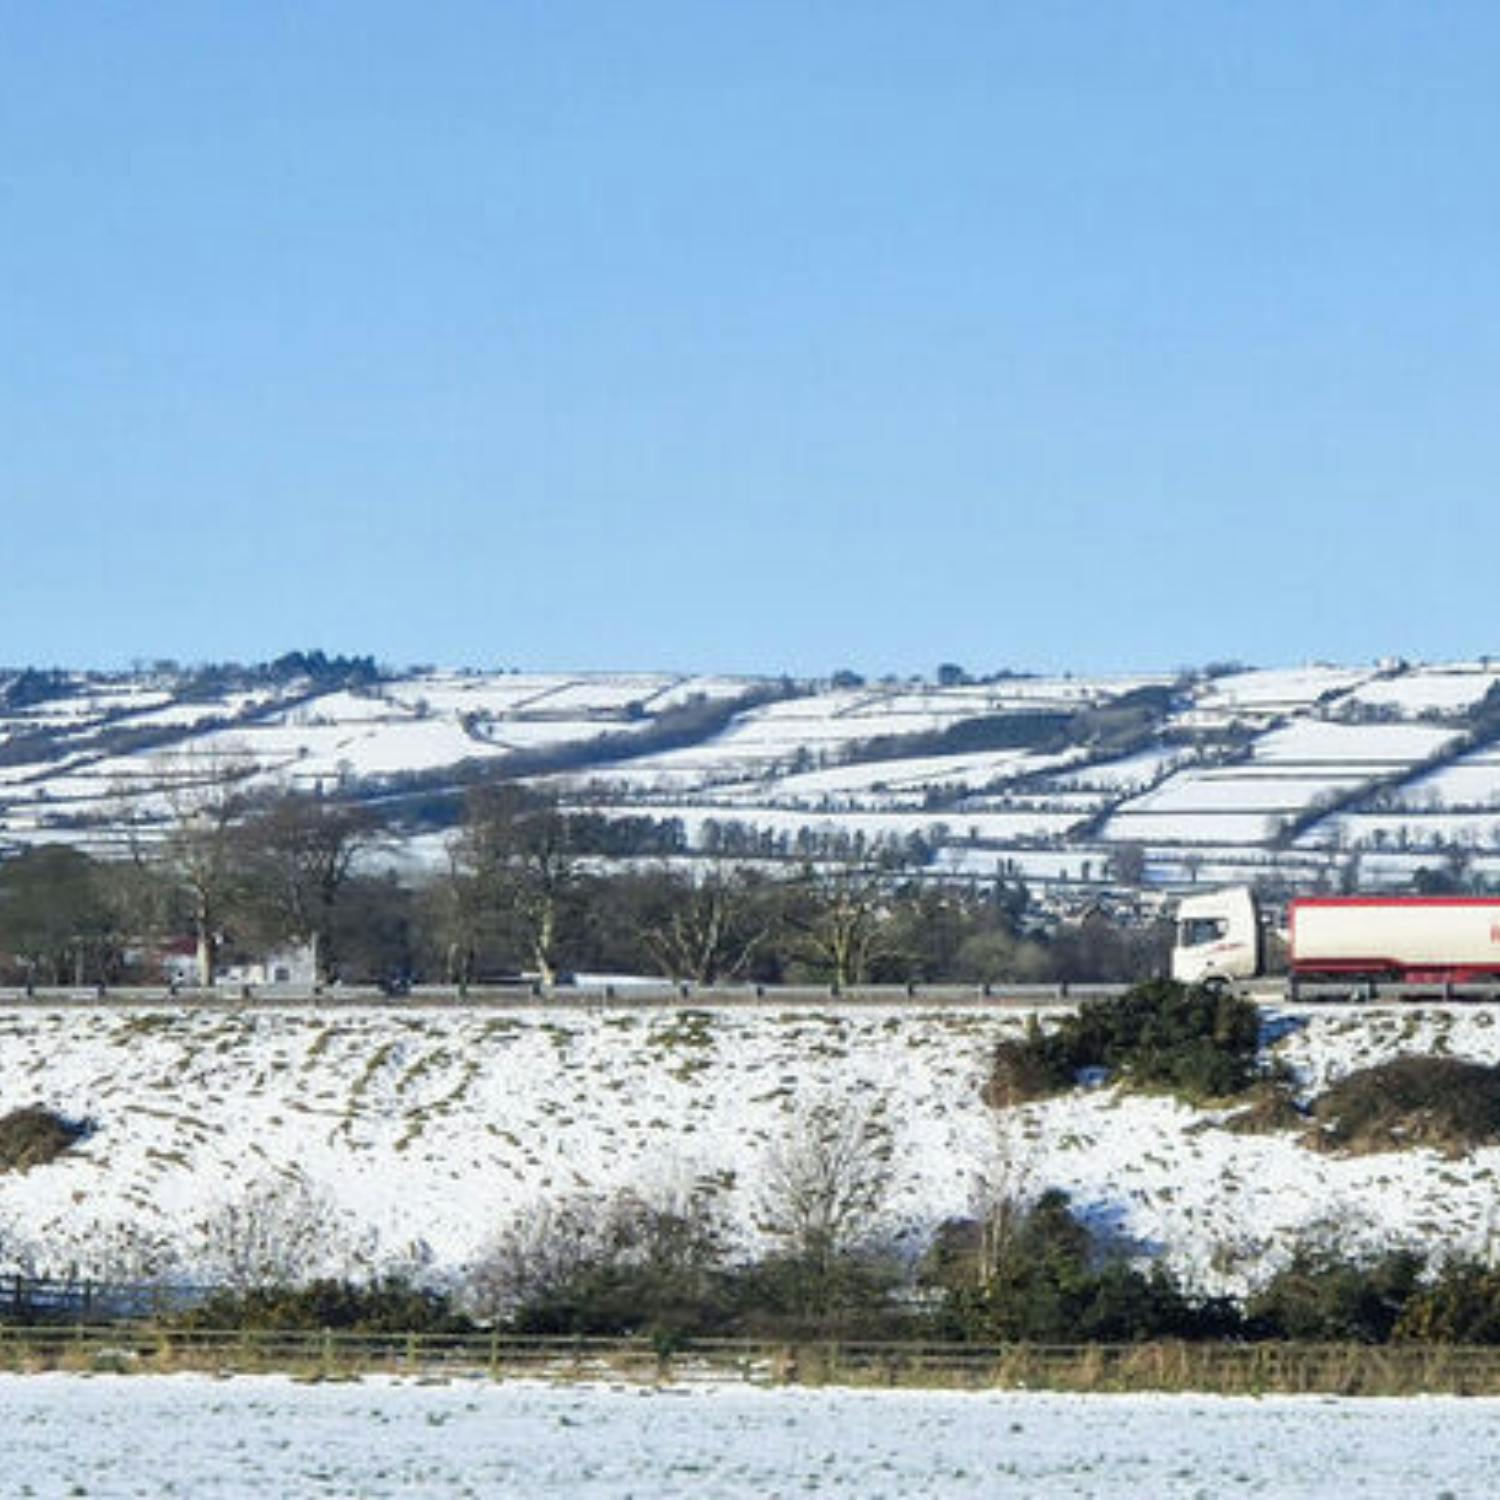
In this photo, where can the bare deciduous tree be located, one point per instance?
(841, 921)
(544, 1247)
(126, 1251)
(710, 928)
(274, 1234)
(204, 795)
(826, 1183)
(602, 1259)
(1002, 1197)
(455, 911)
(301, 850)
(515, 847)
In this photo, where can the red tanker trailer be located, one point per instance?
(1405, 939)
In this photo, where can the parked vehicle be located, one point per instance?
(1222, 936)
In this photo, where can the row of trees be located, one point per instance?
(526, 889)
(259, 876)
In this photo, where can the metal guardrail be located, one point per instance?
(670, 994)
(582, 996)
(1226, 1368)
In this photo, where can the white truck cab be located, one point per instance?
(1218, 937)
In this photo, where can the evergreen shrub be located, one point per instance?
(1195, 1042)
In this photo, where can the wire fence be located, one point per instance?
(1225, 1368)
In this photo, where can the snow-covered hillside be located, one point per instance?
(1223, 775)
(425, 1129)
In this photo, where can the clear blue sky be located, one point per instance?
(781, 335)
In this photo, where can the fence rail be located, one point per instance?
(1231, 1369)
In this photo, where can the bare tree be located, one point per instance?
(130, 1252)
(826, 1183)
(301, 850)
(1002, 1197)
(710, 928)
(841, 920)
(517, 848)
(134, 884)
(545, 1247)
(1127, 862)
(19, 1254)
(274, 1234)
(603, 1263)
(455, 918)
(204, 795)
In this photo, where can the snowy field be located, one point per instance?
(194, 1435)
(1217, 761)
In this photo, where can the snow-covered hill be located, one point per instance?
(1211, 776)
(425, 1129)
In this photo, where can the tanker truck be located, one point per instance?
(1224, 937)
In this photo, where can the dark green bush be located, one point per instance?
(1323, 1298)
(392, 1305)
(1461, 1306)
(1198, 1043)
(848, 1296)
(1041, 1063)
(1441, 1102)
(1043, 1281)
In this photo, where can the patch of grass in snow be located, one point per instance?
(376, 1062)
(561, 1037)
(1410, 1102)
(33, 1136)
(321, 1043)
(1271, 1110)
(686, 1029)
(426, 1063)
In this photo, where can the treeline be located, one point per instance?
(525, 891)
